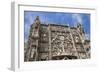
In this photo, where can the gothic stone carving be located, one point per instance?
(56, 42)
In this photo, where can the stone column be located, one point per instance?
(50, 54)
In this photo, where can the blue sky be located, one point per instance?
(60, 18)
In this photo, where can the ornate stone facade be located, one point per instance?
(56, 42)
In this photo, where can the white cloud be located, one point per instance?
(87, 36)
(77, 18)
(29, 18)
(26, 31)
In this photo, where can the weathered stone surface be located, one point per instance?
(55, 42)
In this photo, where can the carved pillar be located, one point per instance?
(73, 43)
(50, 54)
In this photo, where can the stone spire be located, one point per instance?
(80, 28)
(37, 20)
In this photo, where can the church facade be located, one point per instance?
(56, 42)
